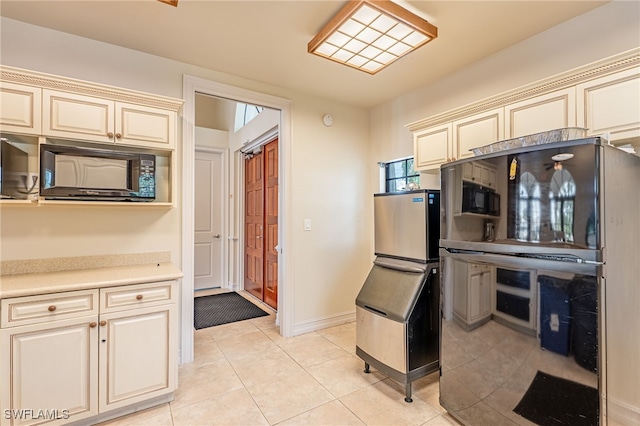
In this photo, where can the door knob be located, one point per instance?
(217, 236)
(258, 236)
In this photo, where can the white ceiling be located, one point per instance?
(266, 40)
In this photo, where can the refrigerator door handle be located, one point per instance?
(548, 263)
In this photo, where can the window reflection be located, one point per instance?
(528, 223)
(562, 194)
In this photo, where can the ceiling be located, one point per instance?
(266, 40)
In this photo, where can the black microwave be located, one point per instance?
(480, 200)
(91, 174)
(14, 171)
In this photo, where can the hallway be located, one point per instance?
(245, 373)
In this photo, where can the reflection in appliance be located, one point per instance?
(528, 225)
(567, 207)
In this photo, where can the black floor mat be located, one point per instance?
(553, 401)
(223, 308)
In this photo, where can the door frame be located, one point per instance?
(190, 86)
(224, 160)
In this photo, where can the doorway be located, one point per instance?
(195, 85)
(261, 223)
(208, 250)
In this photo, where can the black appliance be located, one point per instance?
(565, 264)
(480, 200)
(80, 173)
(14, 168)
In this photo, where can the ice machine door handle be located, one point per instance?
(377, 311)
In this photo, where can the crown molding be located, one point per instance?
(610, 65)
(48, 81)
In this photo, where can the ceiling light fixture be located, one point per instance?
(369, 35)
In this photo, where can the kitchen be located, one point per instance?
(321, 291)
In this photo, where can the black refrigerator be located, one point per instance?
(540, 316)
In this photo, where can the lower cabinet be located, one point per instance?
(136, 356)
(49, 372)
(471, 293)
(63, 361)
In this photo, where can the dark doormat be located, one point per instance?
(223, 308)
(553, 401)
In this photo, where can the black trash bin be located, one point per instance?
(584, 336)
(555, 314)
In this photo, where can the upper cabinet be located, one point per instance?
(37, 109)
(20, 108)
(611, 104)
(69, 115)
(603, 97)
(477, 130)
(432, 147)
(554, 110)
(436, 145)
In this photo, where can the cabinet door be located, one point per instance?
(138, 355)
(489, 177)
(20, 108)
(433, 147)
(144, 126)
(554, 110)
(73, 116)
(486, 282)
(611, 104)
(479, 292)
(477, 130)
(50, 366)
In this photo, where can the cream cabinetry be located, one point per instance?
(74, 116)
(433, 147)
(603, 97)
(57, 110)
(20, 108)
(477, 130)
(611, 104)
(550, 111)
(77, 356)
(49, 361)
(479, 173)
(437, 145)
(471, 293)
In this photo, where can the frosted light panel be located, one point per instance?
(370, 39)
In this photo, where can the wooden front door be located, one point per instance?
(253, 226)
(261, 224)
(271, 224)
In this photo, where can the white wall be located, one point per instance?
(327, 175)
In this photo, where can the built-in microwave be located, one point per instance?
(14, 168)
(80, 173)
(480, 200)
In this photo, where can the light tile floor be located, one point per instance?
(245, 373)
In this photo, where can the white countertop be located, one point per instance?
(83, 279)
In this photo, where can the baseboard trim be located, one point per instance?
(619, 412)
(324, 322)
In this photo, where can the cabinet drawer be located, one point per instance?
(41, 308)
(139, 295)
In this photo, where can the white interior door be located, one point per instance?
(208, 220)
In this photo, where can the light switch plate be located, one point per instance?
(307, 224)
